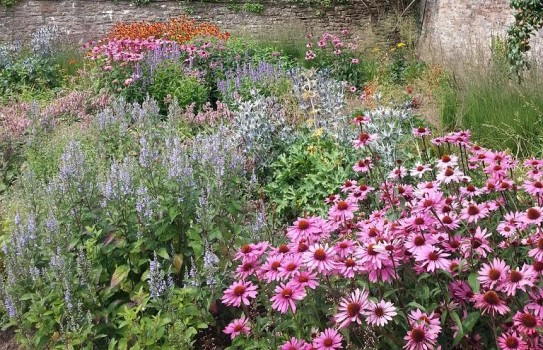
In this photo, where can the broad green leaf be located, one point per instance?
(474, 282)
(120, 274)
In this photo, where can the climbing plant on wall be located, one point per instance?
(528, 20)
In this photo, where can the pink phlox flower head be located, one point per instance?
(237, 327)
(285, 297)
(330, 339)
(350, 308)
(239, 293)
(379, 314)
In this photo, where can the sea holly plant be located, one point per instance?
(443, 250)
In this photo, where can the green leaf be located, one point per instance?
(417, 305)
(120, 274)
(470, 321)
(474, 282)
(458, 322)
(163, 253)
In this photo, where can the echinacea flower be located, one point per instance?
(420, 338)
(533, 215)
(490, 302)
(433, 259)
(512, 341)
(320, 257)
(237, 327)
(239, 292)
(527, 323)
(303, 228)
(285, 295)
(492, 275)
(518, 279)
(350, 309)
(364, 139)
(421, 132)
(378, 314)
(330, 339)
(343, 210)
(295, 344)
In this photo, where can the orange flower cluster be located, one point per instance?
(180, 29)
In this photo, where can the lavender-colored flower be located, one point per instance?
(143, 203)
(157, 285)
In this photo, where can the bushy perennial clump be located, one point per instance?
(442, 250)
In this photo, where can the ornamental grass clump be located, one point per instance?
(437, 247)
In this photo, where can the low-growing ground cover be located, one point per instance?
(183, 188)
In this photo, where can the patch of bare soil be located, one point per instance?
(7, 340)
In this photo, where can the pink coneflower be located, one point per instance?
(355, 61)
(364, 139)
(330, 339)
(305, 279)
(309, 55)
(303, 228)
(352, 89)
(350, 309)
(295, 344)
(420, 338)
(535, 304)
(527, 323)
(345, 247)
(479, 243)
(378, 314)
(512, 341)
(349, 267)
(270, 269)
(460, 291)
(433, 259)
(363, 166)
(473, 212)
(449, 175)
(419, 170)
(537, 252)
(417, 317)
(447, 161)
(420, 132)
(533, 215)
(534, 163)
(397, 173)
(518, 279)
(490, 302)
(251, 251)
(361, 119)
(343, 210)
(417, 242)
(285, 295)
(237, 327)
(246, 268)
(506, 229)
(290, 265)
(239, 292)
(348, 186)
(320, 257)
(493, 275)
(471, 191)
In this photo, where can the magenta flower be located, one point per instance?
(350, 309)
(420, 132)
(330, 339)
(537, 252)
(305, 279)
(490, 302)
(295, 344)
(473, 212)
(239, 292)
(533, 215)
(518, 279)
(285, 297)
(303, 229)
(420, 338)
(237, 327)
(343, 210)
(512, 341)
(364, 139)
(527, 323)
(493, 275)
(320, 257)
(433, 259)
(378, 314)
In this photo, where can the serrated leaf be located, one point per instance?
(120, 274)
